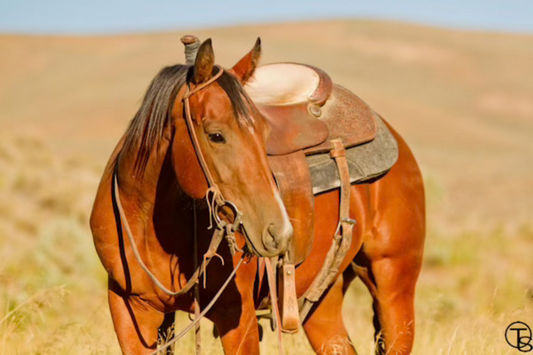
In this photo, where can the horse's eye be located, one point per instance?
(217, 138)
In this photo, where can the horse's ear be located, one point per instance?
(245, 68)
(205, 60)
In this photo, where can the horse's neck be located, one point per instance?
(141, 194)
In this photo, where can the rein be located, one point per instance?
(221, 229)
(201, 315)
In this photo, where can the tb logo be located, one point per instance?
(518, 336)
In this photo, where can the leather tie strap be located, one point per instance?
(271, 278)
(339, 154)
(206, 84)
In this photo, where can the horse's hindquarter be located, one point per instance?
(398, 209)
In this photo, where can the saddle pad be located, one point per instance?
(365, 161)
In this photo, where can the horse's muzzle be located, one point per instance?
(276, 239)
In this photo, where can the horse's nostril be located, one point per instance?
(269, 238)
(272, 229)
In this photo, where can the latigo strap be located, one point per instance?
(341, 241)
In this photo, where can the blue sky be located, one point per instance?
(121, 16)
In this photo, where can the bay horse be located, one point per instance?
(162, 183)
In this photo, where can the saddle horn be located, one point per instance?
(191, 43)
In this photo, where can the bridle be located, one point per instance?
(215, 199)
(216, 202)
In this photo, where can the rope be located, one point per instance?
(215, 242)
(206, 309)
(197, 333)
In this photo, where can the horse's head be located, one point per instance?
(232, 137)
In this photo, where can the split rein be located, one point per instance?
(223, 229)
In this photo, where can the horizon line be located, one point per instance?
(171, 29)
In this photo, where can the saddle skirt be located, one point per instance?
(366, 161)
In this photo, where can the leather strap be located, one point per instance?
(213, 246)
(341, 242)
(206, 84)
(197, 334)
(194, 137)
(271, 277)
(290, 320)
(339, 154)
(296, 190)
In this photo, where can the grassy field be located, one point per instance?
(463, 101)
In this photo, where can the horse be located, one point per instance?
(151, 219)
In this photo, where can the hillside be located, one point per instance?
(463, 100)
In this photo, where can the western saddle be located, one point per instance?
(306, 111)
(308, 115)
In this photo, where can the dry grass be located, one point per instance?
(462, 100)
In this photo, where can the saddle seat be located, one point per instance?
(306, 110)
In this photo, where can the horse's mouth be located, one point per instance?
(251, 245)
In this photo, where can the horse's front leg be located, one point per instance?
(238, 330)
(234, 315)
(136, 322)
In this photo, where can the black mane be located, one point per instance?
(146, 130)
